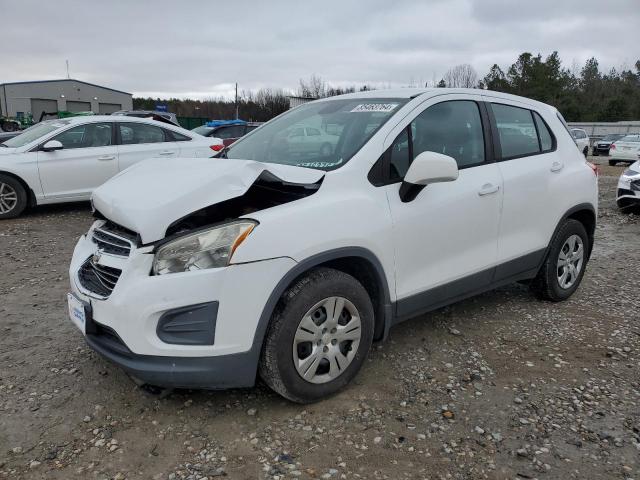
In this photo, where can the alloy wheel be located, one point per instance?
(326, 340)
(8, 198)
(570, 261)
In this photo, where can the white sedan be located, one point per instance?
(64, 160)
(625, 150)
(628, 194)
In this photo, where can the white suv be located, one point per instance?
(288, 264)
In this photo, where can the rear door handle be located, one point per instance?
(488, 189)
(104, 158)
(557, 166)
(167, 152)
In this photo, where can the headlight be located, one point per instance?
(630, 173)
(211, 248)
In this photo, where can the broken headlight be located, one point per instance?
(210, 248)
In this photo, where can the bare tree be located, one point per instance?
(315, 87)
(461, 76)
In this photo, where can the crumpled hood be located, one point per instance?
(151, 195)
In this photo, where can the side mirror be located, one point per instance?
(426, 168)
(52, 146)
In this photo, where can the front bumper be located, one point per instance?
(124, 326)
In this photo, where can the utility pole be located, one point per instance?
(236, 100)
(67, 68)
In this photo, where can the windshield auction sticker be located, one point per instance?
(375, 107)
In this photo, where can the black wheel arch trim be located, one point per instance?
(573, 210)
(383, 308)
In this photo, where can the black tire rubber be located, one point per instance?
(612, 163)
(545, 286)
(23, 198)
(585, 151)
(276, 363)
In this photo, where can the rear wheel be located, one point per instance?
(319, 336)
(564, 266)
(13, 197)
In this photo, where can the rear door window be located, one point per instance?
(139, 133)
(516, 130)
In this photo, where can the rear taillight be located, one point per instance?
(217, 147)
(612, 147)
(594, 167)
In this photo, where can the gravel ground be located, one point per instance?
(498, 386)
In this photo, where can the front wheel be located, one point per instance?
(13, 197)
(319, 336)
(564, 266)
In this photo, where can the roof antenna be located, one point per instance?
(67, 68)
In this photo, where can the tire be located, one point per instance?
(547, 284)
(585, 151)
(612, 163)
(303, 300)
(13, 197)
(9, 126)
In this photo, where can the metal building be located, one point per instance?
(21, 98)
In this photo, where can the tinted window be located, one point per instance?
(84, 136)
(135, 133)
(399, 160)
(178, 137)
(546, 140)
(517, 131)
(233, 131)
(451, 128)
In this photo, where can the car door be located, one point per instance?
(139, 141)
(446, 238)
(530, 168)
(89, 158)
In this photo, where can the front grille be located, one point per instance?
(98, 279)
(108, 338)
(113, 239)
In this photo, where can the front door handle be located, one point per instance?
(104, 158)
(166, 152)
(488, 189)
(557, 166)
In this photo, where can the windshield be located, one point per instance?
(322, 135)
(33, 133)
(202, 130)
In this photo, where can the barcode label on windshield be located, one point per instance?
(375, 107)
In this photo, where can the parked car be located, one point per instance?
(4, 136)
(152, 114)
(625, 150)
(602, 146)
(582, 140)
(267, 263)
(305, 140)
(628, 194)
(64, 160)
(228, 130)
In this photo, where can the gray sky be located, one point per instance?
(200, 48)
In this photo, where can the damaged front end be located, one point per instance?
(162, 199)
(266, 192)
